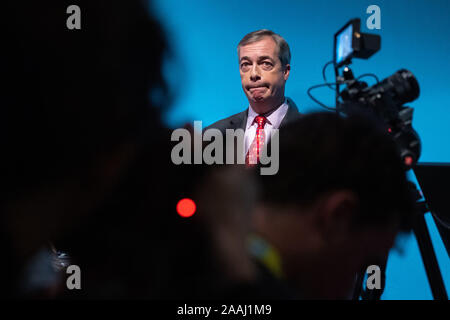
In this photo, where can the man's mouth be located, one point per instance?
(258, 92)
(251, 88)
(258, 89)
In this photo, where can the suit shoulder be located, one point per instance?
(225, 123)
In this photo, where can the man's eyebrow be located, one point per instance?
(245, 58)
(259, 58)
(265, 58)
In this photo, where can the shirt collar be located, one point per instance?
(274, 118)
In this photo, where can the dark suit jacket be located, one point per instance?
(239, 120)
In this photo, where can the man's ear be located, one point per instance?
(336, 212)
(286, 71)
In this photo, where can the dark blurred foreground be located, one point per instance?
(87, 178)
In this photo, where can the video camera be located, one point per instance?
(385, 99)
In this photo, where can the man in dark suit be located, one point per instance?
(264, 65)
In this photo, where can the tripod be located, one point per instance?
(428, 257)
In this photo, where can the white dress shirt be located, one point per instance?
(273, 122)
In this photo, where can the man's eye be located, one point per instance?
(245, 64)
(267, 64)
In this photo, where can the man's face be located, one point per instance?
(262, 75)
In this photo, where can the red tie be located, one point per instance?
(254, 152)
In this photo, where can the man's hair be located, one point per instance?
(324, 152)
(284, 53)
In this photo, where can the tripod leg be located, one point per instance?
(358, 285)
(429, 259)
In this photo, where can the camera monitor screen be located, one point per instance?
(344, 46)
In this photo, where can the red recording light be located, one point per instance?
(186, 208)
(408, 161)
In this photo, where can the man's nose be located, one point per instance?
(255, 74)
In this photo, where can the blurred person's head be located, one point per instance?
(337, 203)
(227, 196)
(75, 109)
(207, 252)
(264, 66)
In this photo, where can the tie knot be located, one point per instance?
(261, 121)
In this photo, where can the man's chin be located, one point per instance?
(258, 99)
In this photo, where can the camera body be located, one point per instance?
(385, 99)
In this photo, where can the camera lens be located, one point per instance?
(402, 85)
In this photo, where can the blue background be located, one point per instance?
(204, 77)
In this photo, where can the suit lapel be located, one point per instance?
(240, 121)
(291, 114)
